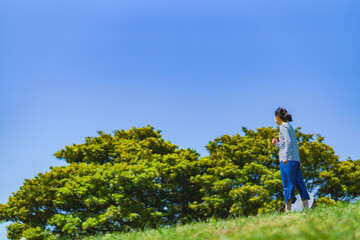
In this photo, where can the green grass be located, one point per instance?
(341, 221)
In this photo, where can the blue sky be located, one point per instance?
(194, 69)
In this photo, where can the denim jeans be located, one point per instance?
(291, 177)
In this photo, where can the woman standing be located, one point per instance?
(291, 175)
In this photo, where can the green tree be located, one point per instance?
(135, 179)
(342, 182)
(242, 174)
(130, 179)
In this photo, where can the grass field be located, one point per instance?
(341, 221)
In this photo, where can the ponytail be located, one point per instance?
(283, 114)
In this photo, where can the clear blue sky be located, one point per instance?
(194, 69)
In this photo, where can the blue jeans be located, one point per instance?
(291, 177)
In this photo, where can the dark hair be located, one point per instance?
(283, 114)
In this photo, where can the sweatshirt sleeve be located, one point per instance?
(281, 143)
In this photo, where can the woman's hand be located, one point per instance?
(274, 141)
(285, 162)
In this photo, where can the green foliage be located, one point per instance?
(342, 181)
(316, 157)
(112, 183)
(323, 201)
(135, 179)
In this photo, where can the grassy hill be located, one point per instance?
(340, 221)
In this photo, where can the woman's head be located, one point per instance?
(283, 115)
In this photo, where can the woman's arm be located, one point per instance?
(281, 143)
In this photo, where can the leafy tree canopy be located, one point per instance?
(135, 179)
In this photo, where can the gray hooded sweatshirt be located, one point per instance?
(288, 148)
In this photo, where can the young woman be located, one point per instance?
(289, 160)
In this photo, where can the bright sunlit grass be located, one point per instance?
(340, 221)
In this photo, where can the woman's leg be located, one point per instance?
(292, 179)
(305, 201)
(300, 186)
(288, 184)
(288, 205)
